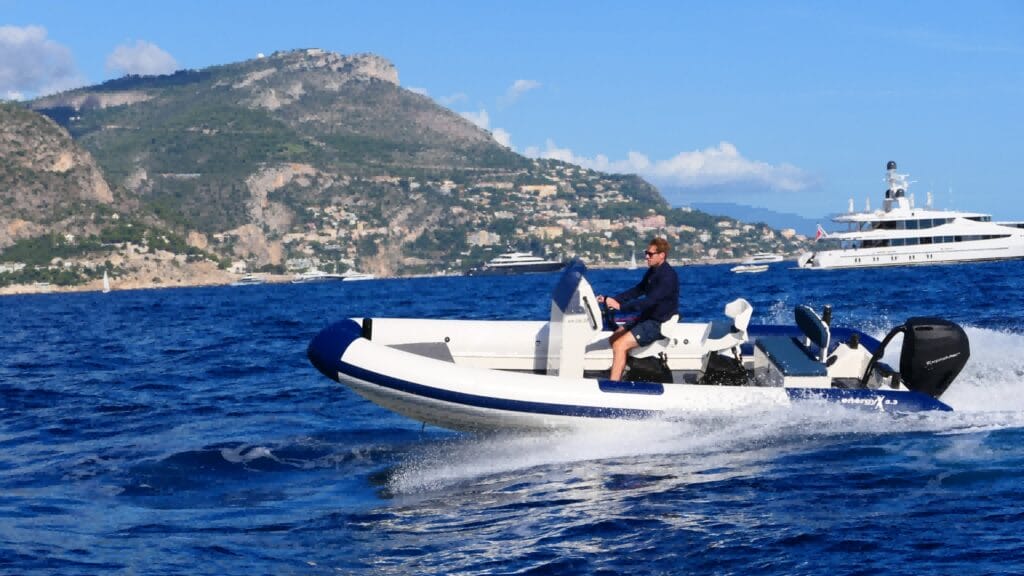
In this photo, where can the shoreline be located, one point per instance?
(227, 278)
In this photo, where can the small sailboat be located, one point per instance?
(632, 261)
(106, 282)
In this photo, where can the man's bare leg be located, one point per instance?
(622, 341)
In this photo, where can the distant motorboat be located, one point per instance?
(517, 263)
(249, 280)
(749, 268)
(763, 258)
(315, 276)
(351, 275)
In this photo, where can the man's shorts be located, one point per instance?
(647, 332)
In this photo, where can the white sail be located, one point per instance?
(106, 282)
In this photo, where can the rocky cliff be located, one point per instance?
(47, 181)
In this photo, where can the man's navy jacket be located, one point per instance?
(656, 297)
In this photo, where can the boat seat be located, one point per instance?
(724, 336)
(793, 355)
(790, 356)
(815, 330)
(668, 331)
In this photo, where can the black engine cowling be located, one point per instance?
(934, 352)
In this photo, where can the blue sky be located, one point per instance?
(793, 106)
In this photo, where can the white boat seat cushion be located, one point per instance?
(724, 336)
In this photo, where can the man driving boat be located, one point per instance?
(655, 298)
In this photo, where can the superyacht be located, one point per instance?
(517, 263)
(900, 235)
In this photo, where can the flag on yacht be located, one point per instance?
(820, 234)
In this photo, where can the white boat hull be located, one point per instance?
(516, 374)
(467, 395)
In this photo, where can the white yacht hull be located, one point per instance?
(921, 254)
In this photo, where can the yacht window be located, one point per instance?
(926, 240)
(896, 242)
(911, 242)
(912, 225)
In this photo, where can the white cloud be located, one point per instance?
(453, 99)
(142, 57)
(721, 165)
(502, 137)
(32, 64)
(482, 119)
(516, 90)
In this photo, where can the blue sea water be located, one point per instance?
(182, 431)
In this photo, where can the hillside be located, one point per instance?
(312, 159)
(47, 182)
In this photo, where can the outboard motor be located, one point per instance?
(934, 352)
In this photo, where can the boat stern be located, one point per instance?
(806, 260)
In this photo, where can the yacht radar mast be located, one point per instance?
(896, 193)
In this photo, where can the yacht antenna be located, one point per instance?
(850, 209)
(929, 202)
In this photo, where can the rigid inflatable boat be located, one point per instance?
(480, 375)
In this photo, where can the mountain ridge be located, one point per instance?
(773, 218)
